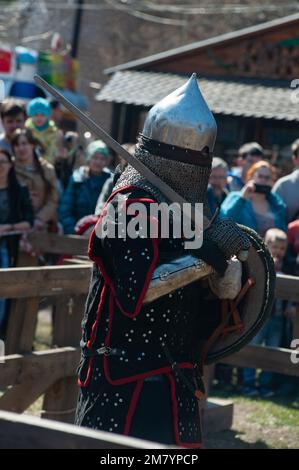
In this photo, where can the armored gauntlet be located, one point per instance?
(229, 238)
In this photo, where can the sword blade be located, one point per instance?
(165, 189)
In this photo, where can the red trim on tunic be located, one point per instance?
(132, 407)
(85, 383)
(100, 263)
(96, 322)
(175, 416)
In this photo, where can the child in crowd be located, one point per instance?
(44, 129)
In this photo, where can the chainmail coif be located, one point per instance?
(191, 182)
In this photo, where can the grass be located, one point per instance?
(259, 423)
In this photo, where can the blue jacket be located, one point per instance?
(241, 210)
(80, 197)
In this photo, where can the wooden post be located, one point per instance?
(21, 325)
(296, 324)
(61, 398)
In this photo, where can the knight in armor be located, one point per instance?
(141, 367)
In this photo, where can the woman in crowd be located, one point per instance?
(39, 176)
(73, 157)
(16, 216)
(85, 186)
(255, 205)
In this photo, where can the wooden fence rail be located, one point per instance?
(28, 432)
(26, 375)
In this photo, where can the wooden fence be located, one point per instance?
(27, 375)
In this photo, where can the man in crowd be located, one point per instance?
(13, 117)
(287, 187)
(217, 189)
(248, 154)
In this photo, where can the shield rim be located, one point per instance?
(266, 308)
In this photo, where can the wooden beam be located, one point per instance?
(68, 314)
(217, 415)
(20, 397)
(28, 432)
(59, 244)
(265, 358)
(17, 368)
(44, 281)
(21, 326)
(60, 400)
(287, 287)
(54, 280)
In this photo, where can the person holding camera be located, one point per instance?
(256, 206)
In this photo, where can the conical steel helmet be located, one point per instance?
(183, 119)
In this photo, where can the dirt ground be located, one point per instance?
(259, 424)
